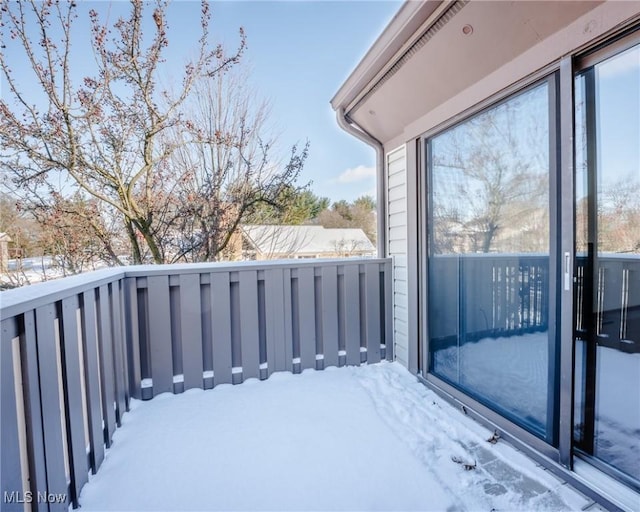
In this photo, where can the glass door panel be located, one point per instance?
(607, 302)
(488, 266)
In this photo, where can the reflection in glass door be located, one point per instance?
(490, 321)
(607, 301)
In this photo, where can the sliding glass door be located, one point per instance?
(607, 302)
(492, 263)
(490, 242)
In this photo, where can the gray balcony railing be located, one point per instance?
(496, 295)
(506, 294)
(74, 351)
(614, 314)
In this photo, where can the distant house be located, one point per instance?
(262, 242)
(4, 252)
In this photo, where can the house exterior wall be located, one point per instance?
(397, 248)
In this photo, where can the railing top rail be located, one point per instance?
(232, 266)
(17, 301)
(493, 255)
(613, 256)
(506, 255)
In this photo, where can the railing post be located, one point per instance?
(33, 409)
(118, 349)
(221, 328)
(11, 463)
(159, 313)
(50, 403)
(248, 313)
(330, 316)
(73, 397)
(191, 331)
(132, 335)
(352, 313)
(94, 399)
(274, 318)
(388, 311)
(307, 318)
(105, 351)
(372, 298)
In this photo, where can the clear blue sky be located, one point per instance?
(300, 53)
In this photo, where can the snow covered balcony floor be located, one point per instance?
(76, 354)
(352, 438)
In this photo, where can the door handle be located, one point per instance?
(568, 270)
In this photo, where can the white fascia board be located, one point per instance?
(381, 55)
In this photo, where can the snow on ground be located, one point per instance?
(512, 372)
(36, 270)
(354, 438)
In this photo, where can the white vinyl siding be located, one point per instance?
(397, 248)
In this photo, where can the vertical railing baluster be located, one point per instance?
(288, 321)
(133, 336)
(118, 349)
(388, 311)
(124, 339)
(362, 297)
(306, 318)
(221, 328)
(50, 404)
(249, 339)
(94, 403)
(330, 315)
(73, 397)
(262, 326)
(160, 334)
(317, 317)
(191, 332)
(12, 465)
(105, 349)
(33, 409)
(274, 318)
(372, 298)
(352, 313)
(207, 334)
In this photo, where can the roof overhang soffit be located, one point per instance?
(443, 58)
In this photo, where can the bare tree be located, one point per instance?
(108, 136)
(491, 180)
(224, 169)
(345, 248)
(20, 226)
(75, 232)
(619, 215)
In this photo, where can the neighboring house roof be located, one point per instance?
(275, 239)
(4, 237)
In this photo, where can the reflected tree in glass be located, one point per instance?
(490, 193)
